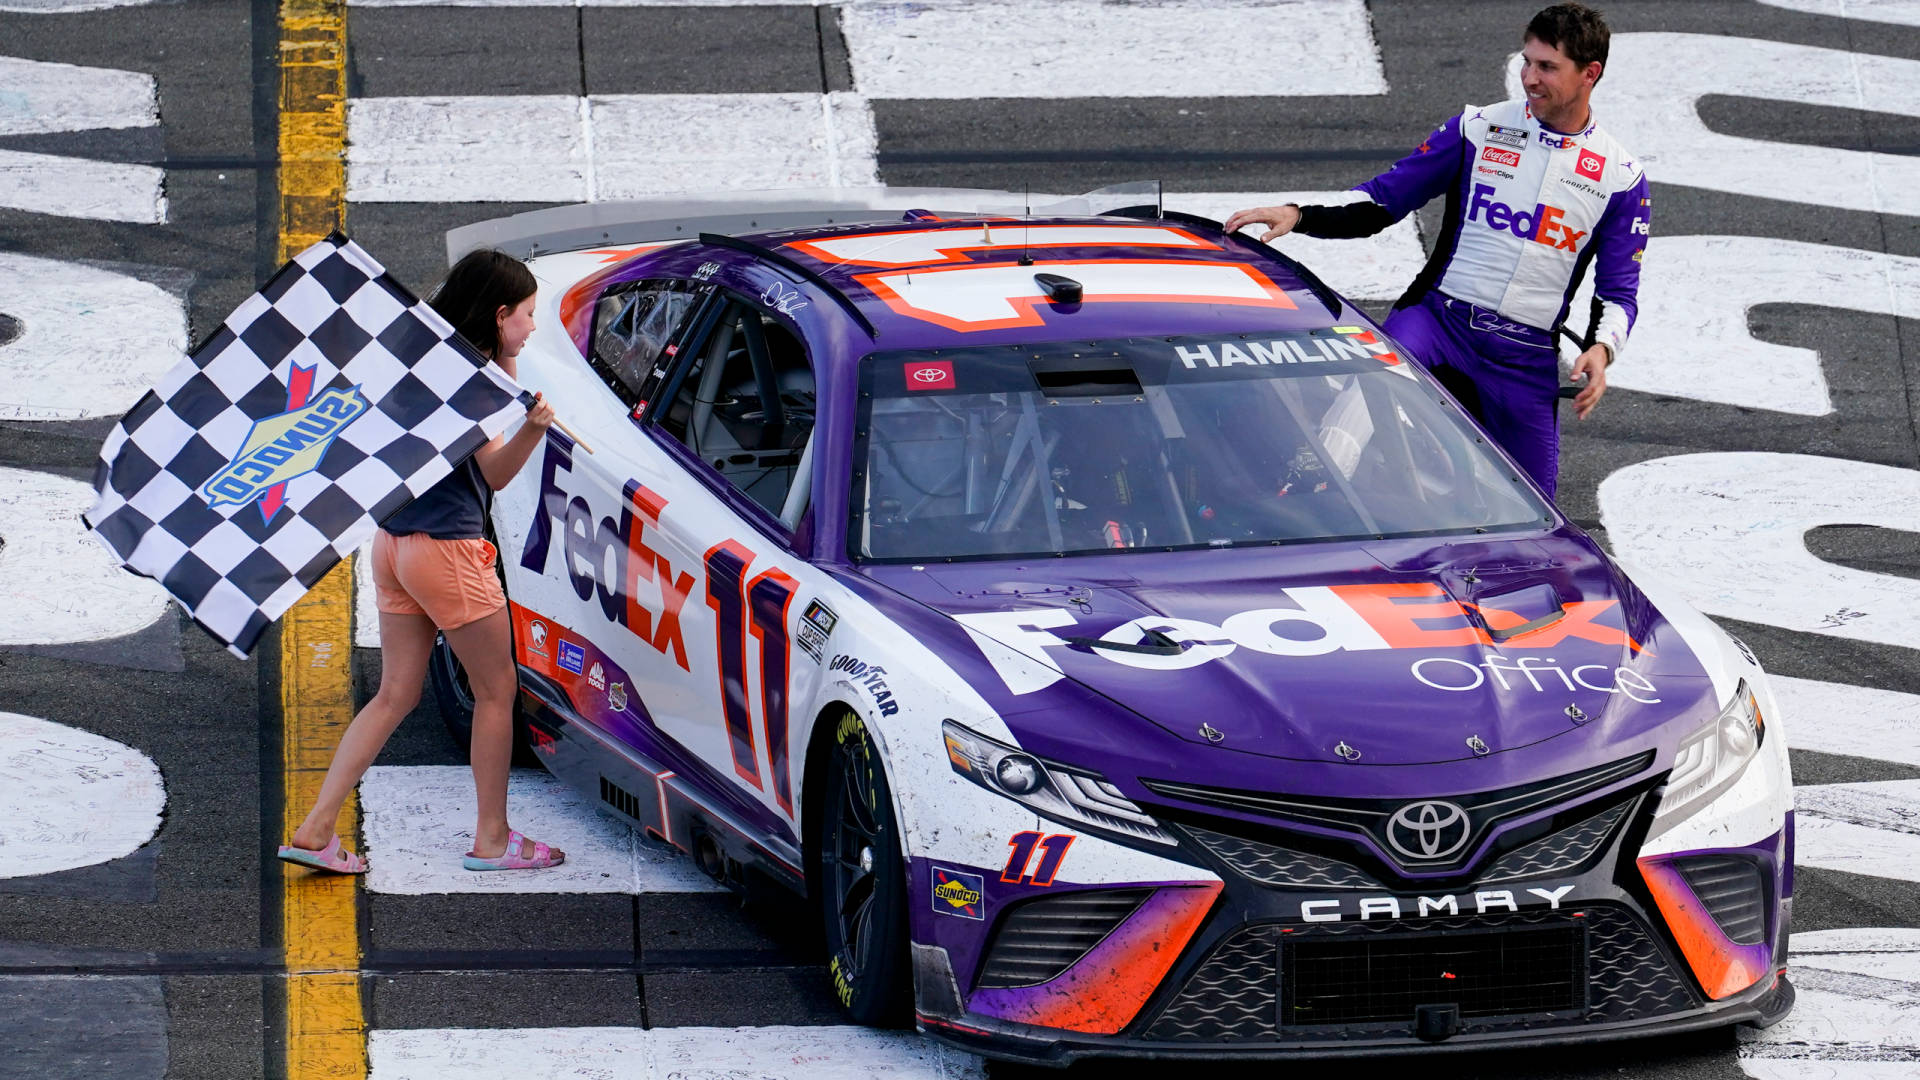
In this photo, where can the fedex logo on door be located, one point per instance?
(1542, 224)
(1590, 165)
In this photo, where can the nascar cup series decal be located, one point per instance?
(284, 447)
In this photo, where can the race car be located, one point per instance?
(1121, 642)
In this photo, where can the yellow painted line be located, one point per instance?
(326, 1026)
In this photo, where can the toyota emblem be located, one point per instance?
(929, 374)
(1428, 830)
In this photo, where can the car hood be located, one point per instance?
(1387, 653)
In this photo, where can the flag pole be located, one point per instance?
(568, 432)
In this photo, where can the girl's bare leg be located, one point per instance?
(405, 643)
(485, 649)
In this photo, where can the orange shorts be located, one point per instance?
(451, 582)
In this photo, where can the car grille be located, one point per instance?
(1270, 864)
(1370, 817)
(1733, 891)
(1237, 992)
(1381, 978)
(1042, 938)
(1559, 853)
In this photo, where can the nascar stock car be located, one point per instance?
(1125, 647)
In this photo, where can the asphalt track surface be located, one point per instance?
(167, 961)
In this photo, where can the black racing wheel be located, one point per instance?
(863, 882)
(455, 694)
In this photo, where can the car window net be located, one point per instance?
(1133, 445)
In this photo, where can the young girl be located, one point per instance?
(433, 569)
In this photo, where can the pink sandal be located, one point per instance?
(521, 854)
(333, 858)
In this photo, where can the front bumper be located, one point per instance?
(1603, 964)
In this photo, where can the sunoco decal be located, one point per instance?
(284, 447)
(957, 893)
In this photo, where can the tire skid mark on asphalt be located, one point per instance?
(43, 97)
(1854, 1019)
(43, 540)
(1650, 102)
(418, 821)
(70, 798)
(592, 1053)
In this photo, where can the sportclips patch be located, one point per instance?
(957, 893)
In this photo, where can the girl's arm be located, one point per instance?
(502, 457)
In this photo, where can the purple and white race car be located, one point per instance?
(1121, 642)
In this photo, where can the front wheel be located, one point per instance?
(455, 695)
(862, 876)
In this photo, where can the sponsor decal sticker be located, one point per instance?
(782, 298)
(597, 676)
(617, 696)
(930, 375)
(957, 893)
(1509, 158)
(1582, 186)
(1591, 165)
(1489, 170)
(816, 623)
(1558, 142)
(870, 677)
(1639, 227)
(537, 638)
(284, 447)
(572, 657)
(706, 270)
(1352, 343)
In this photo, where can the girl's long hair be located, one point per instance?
(474, 291)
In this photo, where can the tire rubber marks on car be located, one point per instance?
(90, 341)
(1729, 530)
(1053, 851)
(1649, 101)
(997, 297)
(1696, 292)
(603, 146)
(57, 585)
(70, 798)
(1858, 991)
(44, 98)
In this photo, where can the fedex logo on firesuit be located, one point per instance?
(1542, 224)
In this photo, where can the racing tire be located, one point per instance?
(455, 695)
(862, 879)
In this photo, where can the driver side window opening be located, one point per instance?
(745, 406)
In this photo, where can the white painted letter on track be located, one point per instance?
(91, 341)
(70, 798)
(1649, 101)
(42, 98)
(1729, 529)
(57, 584)
(1691, 339)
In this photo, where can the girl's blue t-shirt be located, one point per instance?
(453, 509)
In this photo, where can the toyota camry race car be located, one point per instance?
(1125, 646)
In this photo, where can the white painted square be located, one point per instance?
(418, 823)
(1086, 48)
(655, 144)
(585, 1053)
(1871, 828)
(1377, 267)
(524, 148)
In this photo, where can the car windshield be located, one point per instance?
(1165, 443)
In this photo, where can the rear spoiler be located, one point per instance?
(609, 224)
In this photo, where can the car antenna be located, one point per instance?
(1026, 200)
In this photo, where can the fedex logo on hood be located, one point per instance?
(1326, 618)
(1542, 224)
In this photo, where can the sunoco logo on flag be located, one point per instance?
(283, 447)
(327, 401)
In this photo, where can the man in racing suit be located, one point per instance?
(1535, 192)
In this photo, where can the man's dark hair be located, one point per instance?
(1574, 29)
(475, 290)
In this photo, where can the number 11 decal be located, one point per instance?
(1053, 851)
(757, 607)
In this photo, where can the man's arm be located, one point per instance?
(1413, 181)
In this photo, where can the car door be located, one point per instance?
(737, 414)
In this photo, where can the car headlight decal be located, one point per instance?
(1712, 759)
(1058, 791)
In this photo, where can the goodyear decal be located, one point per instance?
(955, 893)
(285, 447)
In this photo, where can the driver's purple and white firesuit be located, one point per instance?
(1527, 209)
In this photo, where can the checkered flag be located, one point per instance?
(328, 400)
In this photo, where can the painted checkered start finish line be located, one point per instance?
(327, 401)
